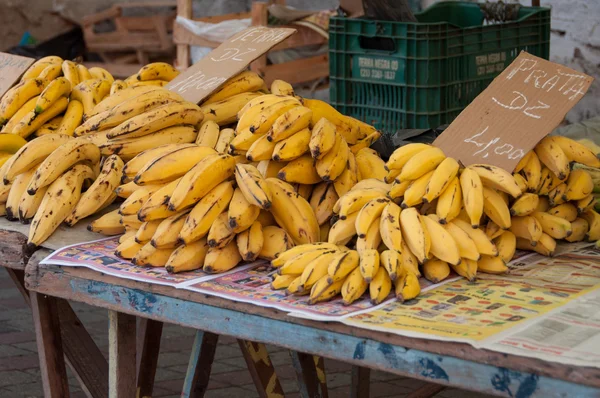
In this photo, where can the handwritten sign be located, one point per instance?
(519, 108)
(226, 61)
(11, 69)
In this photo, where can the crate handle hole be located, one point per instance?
(383, 44)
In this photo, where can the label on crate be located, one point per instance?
(377, 69)
(521, 106)
(11, 68)
(226, 61)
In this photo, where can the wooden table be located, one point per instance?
(442, 363)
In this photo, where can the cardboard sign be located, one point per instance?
(11, 69)
(519, 108)
(226, 61)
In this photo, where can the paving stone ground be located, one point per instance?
(20, 375)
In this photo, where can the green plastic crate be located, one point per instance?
(397, 75)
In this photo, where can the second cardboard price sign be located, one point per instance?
(521, 106)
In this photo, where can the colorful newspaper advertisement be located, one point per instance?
(541, 296)
(99, 256)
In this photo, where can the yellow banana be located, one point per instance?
(495, 208)
(443, 244)
(525, 205)
(224, 141)
(265, 120)
(403, 154)
(322, 200)
(367, 215)
(332, 165)
(366, 142)
(354, 200)
(56, 89)
(101, 73)
(532, 171)
(450, 201)
(521, 182)
(281, 282)
(108, 224)
(556, 227)
(392, 262)
(593, 219)
(556, 196)
(391, 234)
(421, 163)
(543, 204)
(24, 110)
(251, 241)
(324, 290)
(497, 178)
(492, 265)
(580, 229)
(415, 234)
(117, 86)
(568, 211)
(472, 190)
(17, 190)
(292, 147)
(261, 149)
(300, 170)
(150, 256)
(343, 230)
(323, 138)
(342, 265)
(408, 287)
(119, 97)
(553, 157)
(83, 73)
(380, 287)
(31, 122)
(586, 203)
(280, 87)
(506, 243)
(441, 179)
(225, 111)
(220, 233)
(467, 269)
(370, 165)
(316, 270)
(576, 152)
(247, 81)
(290, 253)
(436, 270)
(187, 257)
(348, 178)
(156, 206)
(241, 214)
(354, 287)
(369, 264)
(256, 106)
(133, 166)
(253, 186)
(208, 135)
(167, 233)
(579, 185)
(157, 71)
(416, 190)
(146, 231)
(482, 241)
(527, 227)
(18, 96)
(128, 248)
(72, 118)
(38, 67)
(289, 123)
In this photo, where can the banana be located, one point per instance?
(72, 118)
(322, 200)
(134, 202)
(200, 179)
(545, 246)
(371, 183)
(90, 93)
(157, 119)
(472, 190)
(291, 122)
(354, 287)
(223, 143)
(443, 245)
(187, 257)
(32, 154)
(568, 211)
(101, 73)
(293, 288)
(392, 175)
(579, 185)
(392, 262)
(366, 142)
(28, 205)
(130, 147)
(450, 201)
(208, 135)
(131, 222)
(157, 71)
(341, 265)
(297, 264)
(18, 96)
(205, 212)
(369, 264)
(367, 215)
(83, 73)
(117, 86)
(556, 227)
(324, 290)
(261, 149)
(220, 233)
(532, 170)
(282, 281)
(146, 231)
(225, 111)
(288, 254)
(323, 138)
(251, 241)
(241, 214)
(59, 200)
(495, 208)
(372, 239)
(370, 165)
(482, 241)
(415, 234)
(593, 220)
(293, 212)
(128, 248)
(467, 269)
(416, 190)
(548, 182)
(128, 234)
(108, 224)
(543, 204)
(31, 122)
(292, 147)
(492, 265)
(421, 163)
(265, 120)
(56, 89)
(525, 205)
(527, 227)
(586, 203)
(38, 67)
(280, 87)
(168, 167)
(521, 182)
(24, 110)
(247, 81)
(348, 178)
(576, 152)
(497, 178)
(380, 287)
(403, 154)
(351, 129)
(301, 170)
(120, 97)
(556, 196)
(407, 287)
(156, 206)
(101, 193)
(354, 200)
(436, 270)
(316, 270)
(166, 235)
(50, 73)
(256, 106)
(441, 179)
(389, 228)
(580, 228)
(17, 190)
(150, 256)
(253, 186)
(506, 243)
(553, 157)
(139, 161)
(343, 230)
(332, 165)
(69, 69)
(122, 112)
(61, 159)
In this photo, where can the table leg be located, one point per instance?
(262, 370)
(121, 355)
(199, 367)
(148, 348)
(309, 382)
(321, 375)
(49, 345)
(360, 382)
(18, 277)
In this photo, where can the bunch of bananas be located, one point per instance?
(435, 217)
